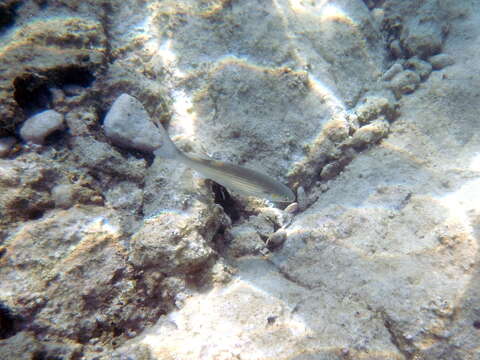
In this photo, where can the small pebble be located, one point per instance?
(370, 133)
(36, 128)
(127, 124)
(421, 67)
(302, 199)
(73, 90)
(6, 144)
(63, 195)
(378, 15)
(394, 70)
(405, 82)
(324, 187)
(276, 239)
(441, 60)
(330, 170)
(372, 107)
(292, 208)
(396, 49)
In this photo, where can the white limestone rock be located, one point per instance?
(127, 124)
(36, 128)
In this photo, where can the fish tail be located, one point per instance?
(168, 149)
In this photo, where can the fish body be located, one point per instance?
(242, 180)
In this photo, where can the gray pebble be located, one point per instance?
(302, 199)
(276, 239)
(394, 70)
(370, 133)
(422, 38)
(63, 195)
(6, 144)
(128, 125)
(36, 128)
(324, 187)
(441, 60)
(330, 170)
(372, 107)
(405, 82)
(73, 90)
(421, 67)
(396, 49)
(292, 208)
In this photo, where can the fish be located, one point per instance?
(242, 180)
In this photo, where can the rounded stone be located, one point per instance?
(405, 82)
(441, 60)
(36, 128)
(127, 124)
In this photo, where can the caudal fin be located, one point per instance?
(168, 149)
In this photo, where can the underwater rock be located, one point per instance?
(36, 128)
(24, 190)
(67, 195)
(396, 49)
(125, 196)
(44, 54)
(292, 208)
(245, 241)
(422, 38)
(392, 71)
(276, 239)
(63, 195)
(302, 199)
(75, 280)
(285, 87)
(370, 133)
(23, 345)
(405, 82)
(372, 107)
(128, 125)
(249, 237)
(440, 61)
(174, 244)
(421, 67)
(102, 158)
(6, 144)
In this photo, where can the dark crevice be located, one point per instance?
(32, 90)
(32, 93)
(43, 355)
(42, 4)
(372, 4)
(117, 331)
(294, 280)
(8, 13)
(223, 198)
(396, 339)
(72, 75)
(9, 323)
(35, 214)
(58, 137)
